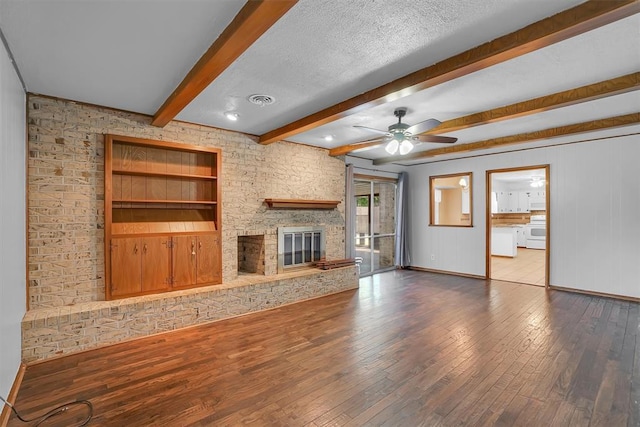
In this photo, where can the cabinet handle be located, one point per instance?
(135, 248)
(193, 249)
(144, 248)
(200, 245)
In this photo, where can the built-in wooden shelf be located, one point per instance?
(162, 216)
(163, 227)
(195, 202)
(301, 204)
(163, 174)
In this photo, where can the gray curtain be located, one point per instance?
(350, 214)
(402, 258)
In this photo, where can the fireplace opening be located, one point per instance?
(299, 247)
(251, 254)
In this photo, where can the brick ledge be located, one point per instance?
(52, 332)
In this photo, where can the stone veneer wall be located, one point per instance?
(58, 331)
(66, 193)
(251, 254)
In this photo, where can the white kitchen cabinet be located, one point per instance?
(513, 201)
(504, 241)
(521, 236)
(523, 201)
(503, 201)
(494, 202)
(512, 204)
(538, 201)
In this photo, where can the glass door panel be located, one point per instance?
(384, 208)
(383, 252)
(375, 224)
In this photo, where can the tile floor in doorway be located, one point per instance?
(528, 267)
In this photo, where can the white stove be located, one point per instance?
(536, 232)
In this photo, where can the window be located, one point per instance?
(450, 200)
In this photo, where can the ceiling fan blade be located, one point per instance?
(382, 132)
(435, 138)
(423, 126)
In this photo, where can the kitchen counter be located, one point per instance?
(504, 240)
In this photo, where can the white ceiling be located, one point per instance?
(518, 176)
(132, 54)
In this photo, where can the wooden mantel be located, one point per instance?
(301, 204)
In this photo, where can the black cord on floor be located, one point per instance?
(55, 411)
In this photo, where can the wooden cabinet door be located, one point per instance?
(208, 259)
(184, 260)
(126, 266)
(156, 263)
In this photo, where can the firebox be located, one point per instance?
(299, 246)
(251, 256)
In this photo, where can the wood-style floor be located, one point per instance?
(406, 349)
(528, 267)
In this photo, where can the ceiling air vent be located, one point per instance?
(261, 100)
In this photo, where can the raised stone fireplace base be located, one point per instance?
(53, 332)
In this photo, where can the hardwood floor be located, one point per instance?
(407, 349)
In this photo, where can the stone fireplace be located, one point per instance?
(270, 252)
(300, 247)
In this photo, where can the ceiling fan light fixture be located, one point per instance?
(392, 146)
(405, 147)
(401, 135)
(537, 182)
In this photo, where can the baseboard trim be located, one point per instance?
(594, 294)
(450, 273)
(13, 394)
(550, 287)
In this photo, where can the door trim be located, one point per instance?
(488, 217)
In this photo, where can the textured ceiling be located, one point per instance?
(325, 51)
(132, 54)
(122, 54)
(589, 58)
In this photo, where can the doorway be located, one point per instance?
(518, 225)
(375, 221)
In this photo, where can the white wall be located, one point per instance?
(12, 220)
(594, 215)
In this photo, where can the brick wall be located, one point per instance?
(66, 193)
(58, 331)
(251, 254)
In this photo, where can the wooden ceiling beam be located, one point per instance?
(594, 125)
(253, 20)
(615, 86)
(345, 149)
(564, 25)
(567, 98)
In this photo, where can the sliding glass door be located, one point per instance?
(375, 224)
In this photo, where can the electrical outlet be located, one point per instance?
(433, 257)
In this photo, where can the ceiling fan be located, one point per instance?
(401, 135)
